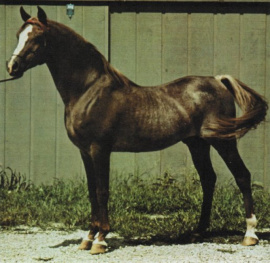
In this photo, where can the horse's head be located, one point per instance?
(31, 47)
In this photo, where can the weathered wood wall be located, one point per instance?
(157, 47)
(151, 44)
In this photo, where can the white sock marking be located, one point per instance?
(251, 227)
(86, 238)
(97, 242)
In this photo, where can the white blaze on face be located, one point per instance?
(22, 40)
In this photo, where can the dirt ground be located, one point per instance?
(28, 245)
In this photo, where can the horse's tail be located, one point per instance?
(252, 104)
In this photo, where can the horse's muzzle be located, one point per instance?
(14, 66)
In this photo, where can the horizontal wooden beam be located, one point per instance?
(173, 6)
(19, 2)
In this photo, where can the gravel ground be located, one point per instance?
(35, 245)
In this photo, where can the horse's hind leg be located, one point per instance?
(200, 153)
(229, 153)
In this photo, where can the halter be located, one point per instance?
(35, 22)
(30, 21)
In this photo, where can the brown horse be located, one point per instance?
(105, 112)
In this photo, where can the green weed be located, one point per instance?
(13, 181)
(166, 207)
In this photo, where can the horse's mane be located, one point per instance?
(115, 74)
(91, 49)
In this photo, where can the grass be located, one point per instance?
(165, 207)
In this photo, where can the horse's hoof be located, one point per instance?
(85, 245)
(250, 241)
(97, 249)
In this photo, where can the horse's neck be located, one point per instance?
(73, 62)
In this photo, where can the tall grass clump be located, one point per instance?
(24, 203)
(163, 207)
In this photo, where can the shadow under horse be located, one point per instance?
(106, 112)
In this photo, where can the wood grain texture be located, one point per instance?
(18, 103)
(266, 176)
(252, 72)
(2, 85)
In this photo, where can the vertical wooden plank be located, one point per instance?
(96, 27)
(75, 22)
(200, 48)
(174, 46)
(2, 85)
(18, 97)
(226, 61)
(123, 57)
(174, 65)
(148, 49)
(148, 72)
(123, 43)
(226, 44)
(252, 72)
(68, 161)
(43, 119)
(266, 177)
(201, 44)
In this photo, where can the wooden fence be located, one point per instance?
(150, 43)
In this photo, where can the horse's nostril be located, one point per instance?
(15, 66)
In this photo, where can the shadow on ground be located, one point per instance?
(218, 237)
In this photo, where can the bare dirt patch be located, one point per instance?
(26, 244)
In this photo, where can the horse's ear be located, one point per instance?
(42, 17)
(24, 15)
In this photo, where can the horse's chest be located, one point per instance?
(85, 124)
(79, 128)
(73, 132)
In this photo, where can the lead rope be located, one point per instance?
(5, 80)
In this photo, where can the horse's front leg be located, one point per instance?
(91, 181)
(101, 163)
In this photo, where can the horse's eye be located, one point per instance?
(39, 39)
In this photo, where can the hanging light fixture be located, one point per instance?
(70, 10)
